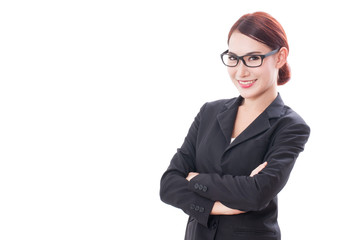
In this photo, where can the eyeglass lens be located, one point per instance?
(250, 61)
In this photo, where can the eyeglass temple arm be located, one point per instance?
(272, 52)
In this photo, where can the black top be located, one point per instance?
(277, 136)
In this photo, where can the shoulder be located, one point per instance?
(291, 120)
(218, 105)
(292, 117)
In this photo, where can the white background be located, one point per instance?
(96, 96)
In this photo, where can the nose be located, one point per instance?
(241, 70)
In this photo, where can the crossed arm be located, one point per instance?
(221, 209)
(229, 193)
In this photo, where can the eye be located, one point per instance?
(254, 58)
(232, 58)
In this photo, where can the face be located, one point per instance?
(253, 83)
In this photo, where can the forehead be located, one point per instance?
(241, 44)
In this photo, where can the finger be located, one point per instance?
(258, 169)
(261, 167)
(191, 175)
(188, 176)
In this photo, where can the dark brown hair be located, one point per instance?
(262, 27)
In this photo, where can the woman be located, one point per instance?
(239, 152)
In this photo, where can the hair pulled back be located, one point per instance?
(262, 27)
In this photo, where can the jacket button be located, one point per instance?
(214, 226)
(205, 189)
(196, 186)
(201, 209)
(197, 208)
(201, 187)
(192, 206)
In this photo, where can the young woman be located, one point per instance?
(239, 152)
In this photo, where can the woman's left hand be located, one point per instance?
(258, 169)
(191, 175)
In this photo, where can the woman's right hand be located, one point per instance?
(221, 209)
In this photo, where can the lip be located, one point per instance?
(246, 83)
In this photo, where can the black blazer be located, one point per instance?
(277, 136)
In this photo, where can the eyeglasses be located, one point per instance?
(253, 60)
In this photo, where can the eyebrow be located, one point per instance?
(249, 53)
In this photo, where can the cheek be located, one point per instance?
(269, 75)
(261, 72)
(269, 70)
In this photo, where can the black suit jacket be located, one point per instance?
(277, 136)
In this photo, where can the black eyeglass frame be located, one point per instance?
(238, 58)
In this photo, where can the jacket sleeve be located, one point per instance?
(174, 186)
(254, 193)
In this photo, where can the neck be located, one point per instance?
(260, 103)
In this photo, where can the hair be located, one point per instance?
(263, 28)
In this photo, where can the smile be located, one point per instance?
(247, 84)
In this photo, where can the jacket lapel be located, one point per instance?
(259, 125)
(227, 118)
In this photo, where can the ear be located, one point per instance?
(281, 57)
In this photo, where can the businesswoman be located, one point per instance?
(238, 153)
